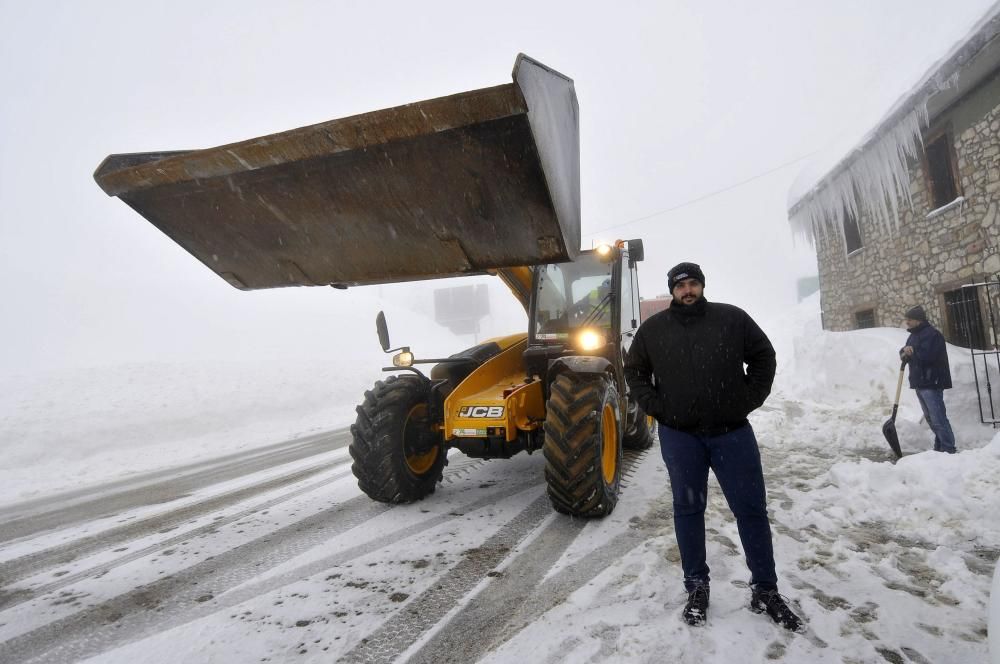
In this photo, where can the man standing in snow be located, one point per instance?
(930, 375)
(685, 368)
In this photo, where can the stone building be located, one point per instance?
(912, 213)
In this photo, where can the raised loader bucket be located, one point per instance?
(457, 185)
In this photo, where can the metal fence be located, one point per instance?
(968, 327)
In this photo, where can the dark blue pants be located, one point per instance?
(735, 459)
(932, 403)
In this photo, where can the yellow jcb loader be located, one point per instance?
(481, 182)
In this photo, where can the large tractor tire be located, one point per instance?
(639, 433)
(583, 453)
(398, 457)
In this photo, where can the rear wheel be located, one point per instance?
(639, 433)
(398, 455)
(583, 453)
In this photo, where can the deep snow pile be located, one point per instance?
(945, 504)
(852, 376)
(851, 370)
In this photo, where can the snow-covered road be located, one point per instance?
(291, 562)
(281, 536)
(269, 552)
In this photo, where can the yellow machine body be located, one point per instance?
(498, 399)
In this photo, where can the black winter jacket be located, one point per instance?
(929, 367)
(685, 367)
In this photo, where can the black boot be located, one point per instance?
(770, 602)
(696, 610)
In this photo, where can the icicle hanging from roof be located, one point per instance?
(874, 177)
(873, 180)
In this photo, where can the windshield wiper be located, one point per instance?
(597, 311)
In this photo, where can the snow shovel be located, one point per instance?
(889, 428)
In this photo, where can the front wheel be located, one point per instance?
(583, 453)
(399, 456)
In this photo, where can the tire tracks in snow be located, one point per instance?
(509, 592)
(69, 552)
(220, 582)
(36, 516)
(22, 567)
(406, 626)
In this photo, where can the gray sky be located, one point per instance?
(677, 99)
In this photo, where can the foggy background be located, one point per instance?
(695, 119)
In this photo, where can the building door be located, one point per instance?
(965, 319)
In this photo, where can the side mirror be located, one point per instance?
(635, 252)
(383, 331)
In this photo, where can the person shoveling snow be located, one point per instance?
(930, 375)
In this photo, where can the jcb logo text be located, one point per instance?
(489, 412)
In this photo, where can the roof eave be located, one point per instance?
(975, 60)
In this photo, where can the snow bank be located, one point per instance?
(844, 383)
(859, 370)
(65, 428)
(949, 500)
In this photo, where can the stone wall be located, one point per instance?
(917, 262)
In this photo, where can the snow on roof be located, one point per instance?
(871, 173)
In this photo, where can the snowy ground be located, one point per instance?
(67, 428)
(887, 561)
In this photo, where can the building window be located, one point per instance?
(940, 171)
(852, 232)
(965, 318)
(864, 319)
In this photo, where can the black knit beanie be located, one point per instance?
(916, 313)
(683, 271)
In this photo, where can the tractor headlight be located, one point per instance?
(404, 359)
(605, 252)
(590, 339)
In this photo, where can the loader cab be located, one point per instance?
(572, 298)
(589, 306)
